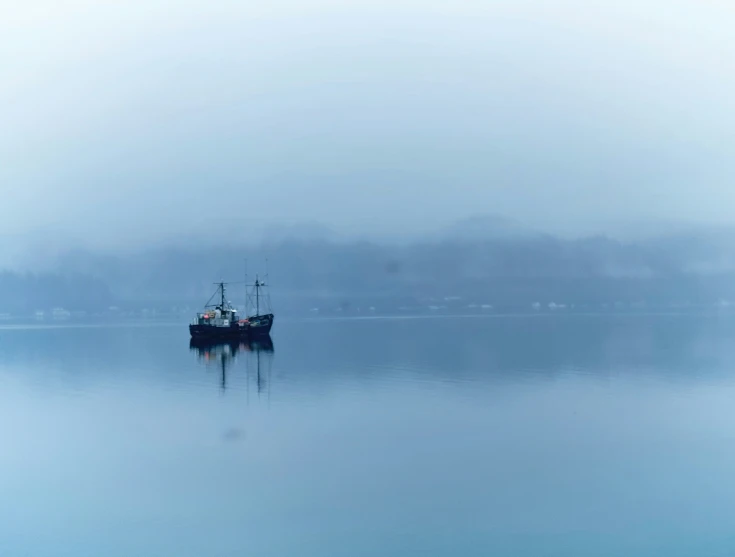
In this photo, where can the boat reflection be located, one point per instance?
(226, 353)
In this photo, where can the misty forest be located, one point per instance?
(479, 265)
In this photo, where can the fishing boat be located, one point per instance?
(220, 320)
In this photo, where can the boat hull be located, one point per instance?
(256, 327)
(217, 333)
(260, 325)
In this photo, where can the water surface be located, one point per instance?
(519, 436)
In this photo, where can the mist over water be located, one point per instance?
(498, 239)
(150, 148)
(486, 264)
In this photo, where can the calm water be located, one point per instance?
(546, 436)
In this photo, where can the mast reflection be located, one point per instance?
(226, 353)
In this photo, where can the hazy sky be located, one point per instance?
(139, 119)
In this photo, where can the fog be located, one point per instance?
(142, 122)
(402, 157)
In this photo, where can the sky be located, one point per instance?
(125, 123)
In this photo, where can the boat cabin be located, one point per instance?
(218, 317)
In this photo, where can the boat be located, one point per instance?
(221, 321)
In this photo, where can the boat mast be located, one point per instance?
(251, 304)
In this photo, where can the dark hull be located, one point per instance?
(259, 326)
(217, 333)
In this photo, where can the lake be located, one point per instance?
(507, 436)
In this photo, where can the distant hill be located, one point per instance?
(478, 263)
